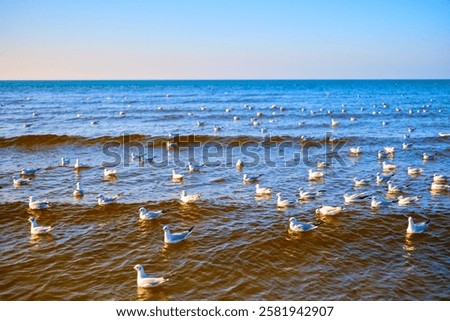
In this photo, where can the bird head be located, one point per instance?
(31, 219)
(292, 220)
(142, 210)
(166, 228)
(138, 267)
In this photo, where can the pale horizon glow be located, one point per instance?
(207, 39)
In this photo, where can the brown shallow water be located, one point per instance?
(240, 249)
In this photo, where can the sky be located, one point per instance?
(227, 39)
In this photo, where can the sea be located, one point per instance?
(241, 247)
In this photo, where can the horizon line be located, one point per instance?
(223, 79)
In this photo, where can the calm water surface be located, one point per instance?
(241, 248)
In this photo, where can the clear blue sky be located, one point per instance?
(227, 39)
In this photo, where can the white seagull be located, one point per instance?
(149, 215)
(283, 203)
(38, 229)
(29, 171)
(388, 167)
(427, 157)
(389, 150)
(260, 191)
(194, 167)
(395, 189)
(377, 204)
(65, 161)
(297, 226)
(105, 200)
(145, 281)
(329, 210)
(315, 175)
(37, 205)
(334, 123)
(437, 178)
(192, 198)
(355, 150)
(322, 164)
(412, 171)
(78, 191)
(357, 197)
(361, 182)
(175, 237)
(438, 187)
(406, 145)
(414, 228)
(79, 165)
(108, 173)
(381, 154)
(402, 201)
(239, 164)
(177, 177)
(20, 181)
(383, 178)
(251, 179)
(305, 195)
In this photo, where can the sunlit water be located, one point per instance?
(241, 248)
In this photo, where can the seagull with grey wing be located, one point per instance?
(171, 238)
(145, 281)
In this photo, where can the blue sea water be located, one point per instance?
(241, 248)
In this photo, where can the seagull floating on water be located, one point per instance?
(20, 181)
(381, 154)
(177, 177)
(388, 167)
(357, 197)
(329, 210)
(427, 157)
(65, 161)
(322, 164)
(36, 204)
(146, 215)
(355, 150)
(109, 172)
(194, 167)
(402, 201)
(439, 187)
(334, 123)
(29, 171)
(105, 200)
(297, 226)
(38, 229)
(239, 164)
(383, 178)
(171, 238)
(192, 198)
(145, 281)
(79, 165)
(389, 150)
(305, 195)
(412, 171)
(437, 178)
(260, 191)
(283, 203)
(394, 188)
(250, 179)
(78, 191)
(379, 203)
(414, 228)
(361, 182)
(315, 175)
(406, 145)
